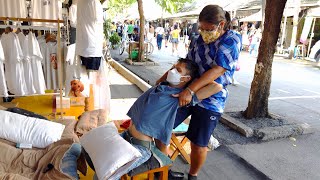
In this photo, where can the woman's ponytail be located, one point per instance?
(227, 26)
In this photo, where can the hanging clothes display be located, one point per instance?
(51, 65)
(46, 9)
(3, 85)
(27, 69)
(13, 65)
(35, 57)
(89, 37)
(43, 48)
(13, 8)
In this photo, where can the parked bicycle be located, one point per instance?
(125, 45)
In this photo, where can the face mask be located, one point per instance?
(174, 77)
(210, 36)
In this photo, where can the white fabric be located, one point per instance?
(159, 30)
(46, 9)
(3, 84)
(73, 15)
(102, 88)
(35, 57)
(22, 129)
(27, 69)
(14, 68)
(110, 153)
(13, 8)
(51, 64)
(89, 37)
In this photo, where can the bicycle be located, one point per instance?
(125, 44)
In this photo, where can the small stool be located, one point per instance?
(162, 170)
(178, 146)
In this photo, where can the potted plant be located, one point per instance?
(114, 40)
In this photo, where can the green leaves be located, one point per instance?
(172, 6)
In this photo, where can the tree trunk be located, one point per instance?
(260, 86)
(141, 40)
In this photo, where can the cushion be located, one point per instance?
(22, 129)
(110, 153)
(69, 130)
(91, 119)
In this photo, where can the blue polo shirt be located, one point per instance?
(223, 52)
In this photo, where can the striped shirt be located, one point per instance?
(223, 52)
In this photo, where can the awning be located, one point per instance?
(253, 17)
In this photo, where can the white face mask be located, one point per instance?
(174, 77)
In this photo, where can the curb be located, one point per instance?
(236, 125)
(130, 76)
(267, 133)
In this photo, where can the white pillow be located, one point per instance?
(22, 129)
(110, 153)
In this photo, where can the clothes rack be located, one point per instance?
(58, 21)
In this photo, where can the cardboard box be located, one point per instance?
(65, 102)
(77, 101)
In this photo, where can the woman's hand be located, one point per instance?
(184, 97)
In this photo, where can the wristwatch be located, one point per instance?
(191, 92)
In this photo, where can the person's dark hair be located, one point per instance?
(191, 66)
(195, 28)
(215, 14)
(175, 27)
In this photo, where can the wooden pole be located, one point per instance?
(60, 68)
(311, 36)
(30, 20)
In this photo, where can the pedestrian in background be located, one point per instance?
(235, 28)
(175, 39)
(159, 35)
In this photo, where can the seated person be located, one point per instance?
(136, 36)
(153, 114)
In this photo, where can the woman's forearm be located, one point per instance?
(207, 78)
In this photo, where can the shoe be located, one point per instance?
(175, 175)
(190, 177)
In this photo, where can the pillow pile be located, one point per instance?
(91, 119)
(22, 129)
(110, 153)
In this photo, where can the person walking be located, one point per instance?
(216, 52)
(159, 35)
(175, 39)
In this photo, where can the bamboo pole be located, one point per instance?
(60, 68)
(30, 20)
(311, 36)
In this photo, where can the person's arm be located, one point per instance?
(208, 90)
(208, 77)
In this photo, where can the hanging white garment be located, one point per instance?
(43, 48)
(13, 8)
(89, 37)
(51, 66)
(14, 68)
(35, 56)
(102, 89)
(27, 69)
(46, 9)
(3, 85)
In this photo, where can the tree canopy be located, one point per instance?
(172, 6)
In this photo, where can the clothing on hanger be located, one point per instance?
(3, 85)
(13, 8)
(46, 9)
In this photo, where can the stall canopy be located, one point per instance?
(253, 17)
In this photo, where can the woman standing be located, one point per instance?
(216, 52)
(175, 38)
(159, 35)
